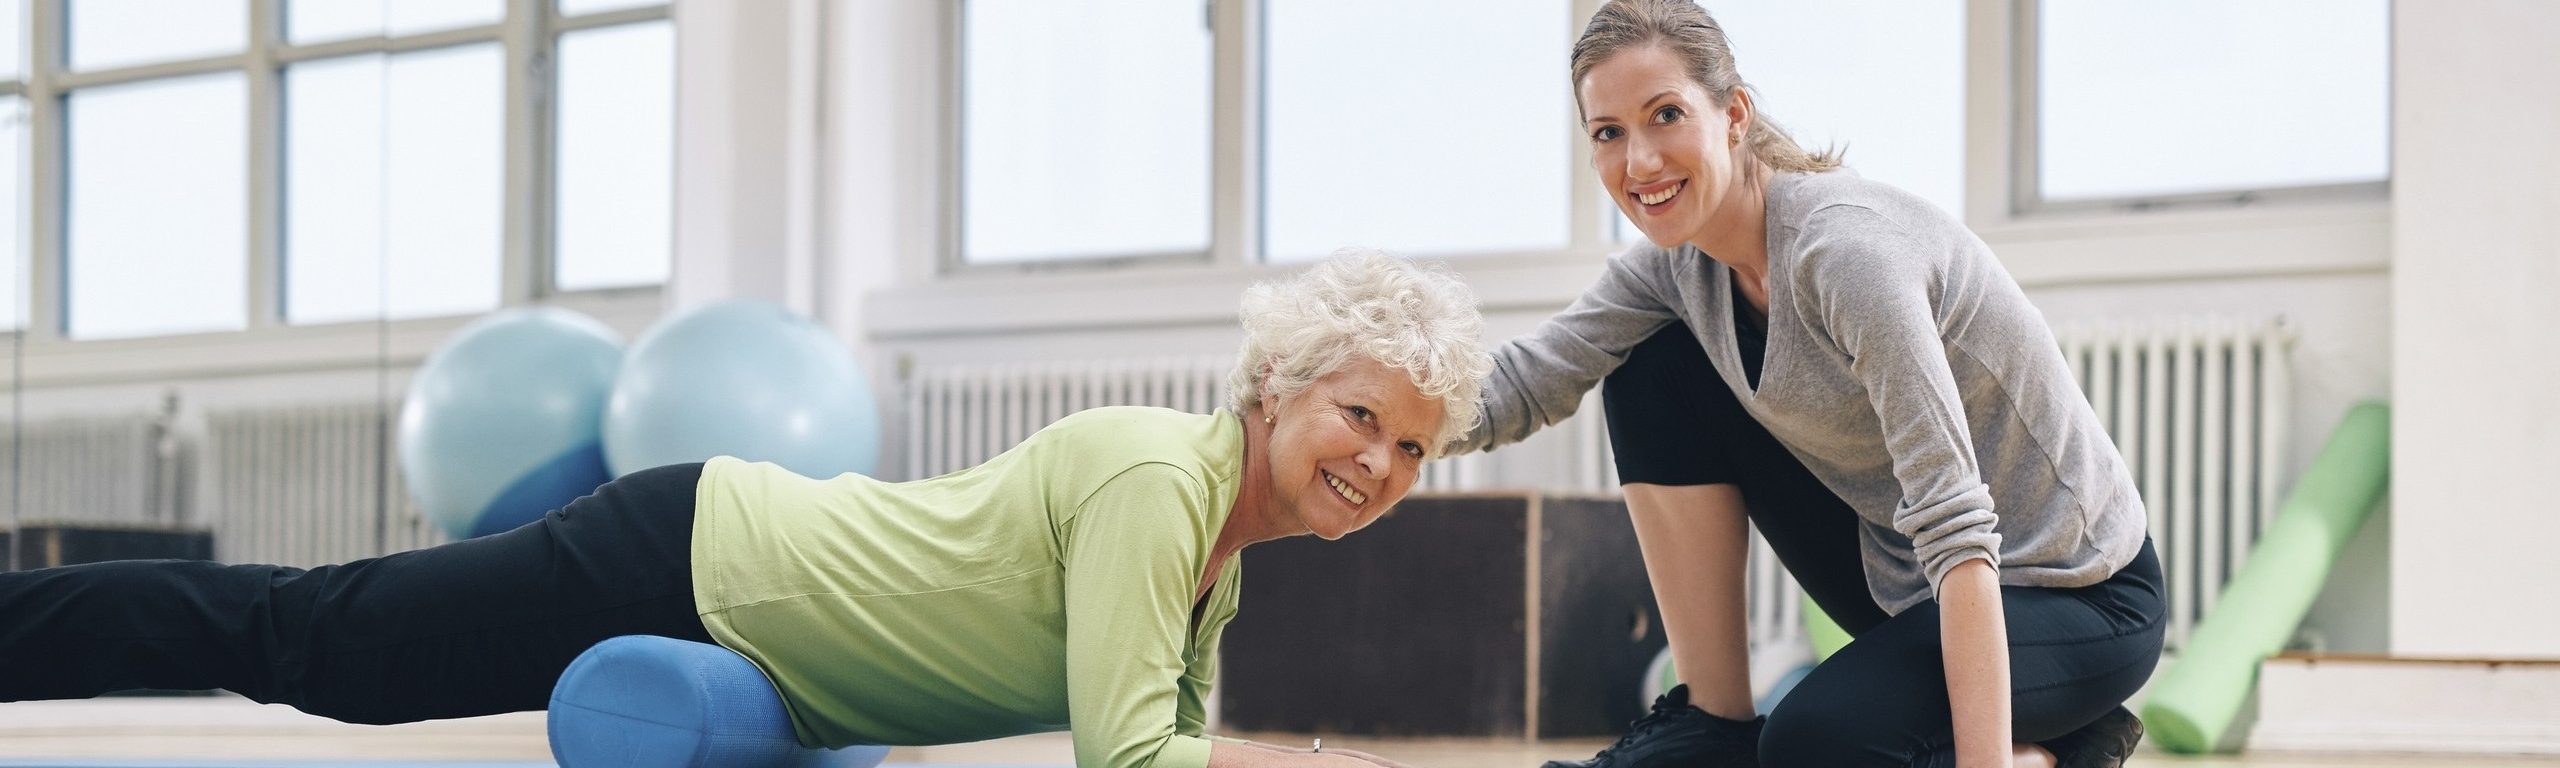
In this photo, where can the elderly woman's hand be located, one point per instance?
(1367, 758)
(1248, 754)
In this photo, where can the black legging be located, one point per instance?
(1881, 701)
(474, 627)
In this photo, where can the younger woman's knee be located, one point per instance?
(1806, 736)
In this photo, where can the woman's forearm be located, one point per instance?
(1975, 636)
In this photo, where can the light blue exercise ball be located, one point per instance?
(742, 378)
(504, 422)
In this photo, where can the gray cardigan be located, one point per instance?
(1904, 368)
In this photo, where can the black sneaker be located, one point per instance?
(1676, 735)
(2102, 744)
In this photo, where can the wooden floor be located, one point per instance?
(219, 728)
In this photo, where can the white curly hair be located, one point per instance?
(1409, 316)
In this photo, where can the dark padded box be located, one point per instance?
(1482, 614)
(48, 545)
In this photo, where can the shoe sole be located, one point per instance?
(2112, 756)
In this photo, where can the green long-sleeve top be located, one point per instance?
(1049, 588)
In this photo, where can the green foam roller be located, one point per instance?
(2192, 709)
(1826, 635)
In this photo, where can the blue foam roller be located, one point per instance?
(651, 702)
(1778, 691)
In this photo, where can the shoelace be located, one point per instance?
(1664, 711)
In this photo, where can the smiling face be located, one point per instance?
(1664, 149)
(1348, 447)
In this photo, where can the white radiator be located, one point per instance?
(306, 485)
(91, 469)
(289, 484)
(957, 417)
(2200, 411)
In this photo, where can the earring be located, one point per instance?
(1266, 419)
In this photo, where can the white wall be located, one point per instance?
(2476, 248)
(746, 152)
(882, 185)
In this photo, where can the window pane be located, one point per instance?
(1085, 129)
(445, 180)
(333, 189)
(13, 212)
(577, 7)
(1386, 125)
(2179, 96)
(1813, 67)
(13, 39)
(310, 21)
(393, 178)
(616, 156)
(115, 33)
(158, 215)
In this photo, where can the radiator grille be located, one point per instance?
(90, 469)
(305, 485)
(2199, 410)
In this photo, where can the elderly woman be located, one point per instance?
(1079, 581)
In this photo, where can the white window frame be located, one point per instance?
(529, 34)
(931, 307)
(2026, 193)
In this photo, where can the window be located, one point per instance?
(1385, 125)
(617, 156)
(368, 159)
(13, 166)
(1084, 130)
(13, 39)
(393, 166)
(158, 185)
(2149, 99)
(13, 212)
